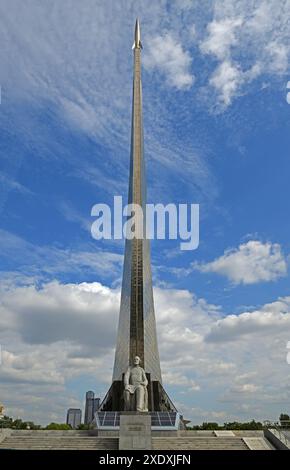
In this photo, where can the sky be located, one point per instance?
(216, 129)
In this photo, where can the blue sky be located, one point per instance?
(216, 124)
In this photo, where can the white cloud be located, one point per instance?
(271, 318)
(61, 332)
(248, 39)
(245, 388)
(250, 263)
(221, 37)
(47, 261)
(179, 380)
(226, 79)
(167, 55)
(278, 57)
(57, 312)
(72, 215)
(63, 57)
(236, 357)
(29, 369)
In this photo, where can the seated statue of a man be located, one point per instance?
(135, 388)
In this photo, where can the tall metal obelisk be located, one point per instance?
(137, 327)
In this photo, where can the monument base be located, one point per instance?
(135, 431)
(108, 422)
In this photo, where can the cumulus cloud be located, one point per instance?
(176, 378)
(168, 56)
(49, 336)
(250, 263)
(226, 79)
(63, 312)
(56, 333)
(273, 317)
(228, 76)
(29, 369)
(239, 31)
(221, 37)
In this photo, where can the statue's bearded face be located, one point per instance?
(136, 360)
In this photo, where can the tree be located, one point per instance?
(248, 426)
(84, 427)
(284, 420)
(234, 426)
(58, 427)
(7, 422)
(205, 427)
(209, 426)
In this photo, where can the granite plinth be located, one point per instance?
(135, 431)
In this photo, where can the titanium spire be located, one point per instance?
(137, 39)
(137, 326)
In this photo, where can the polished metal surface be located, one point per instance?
(137, 326)
(137, 38)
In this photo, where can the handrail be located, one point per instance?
(278, 426)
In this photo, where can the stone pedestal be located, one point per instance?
(135, 431)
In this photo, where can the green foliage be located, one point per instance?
(84, 427)
(7, 422)
(284, 420)
(206, 427)
(58, 427)
(209, 426)
(250, 426)
(234, 426)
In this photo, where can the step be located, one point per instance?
(257, 443)
(199, 443)
(61, 442)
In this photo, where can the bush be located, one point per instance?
(58, 427)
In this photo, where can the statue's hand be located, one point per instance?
(127, 387)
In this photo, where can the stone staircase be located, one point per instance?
(198, 443)
(42, 440)
(87, 440)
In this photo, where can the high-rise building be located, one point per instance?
(92, 405)
(89, 407)
(97, 402)
(74, 417)
(137, 327)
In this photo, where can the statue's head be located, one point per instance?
(137, 360)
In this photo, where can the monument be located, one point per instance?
(137, 383)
